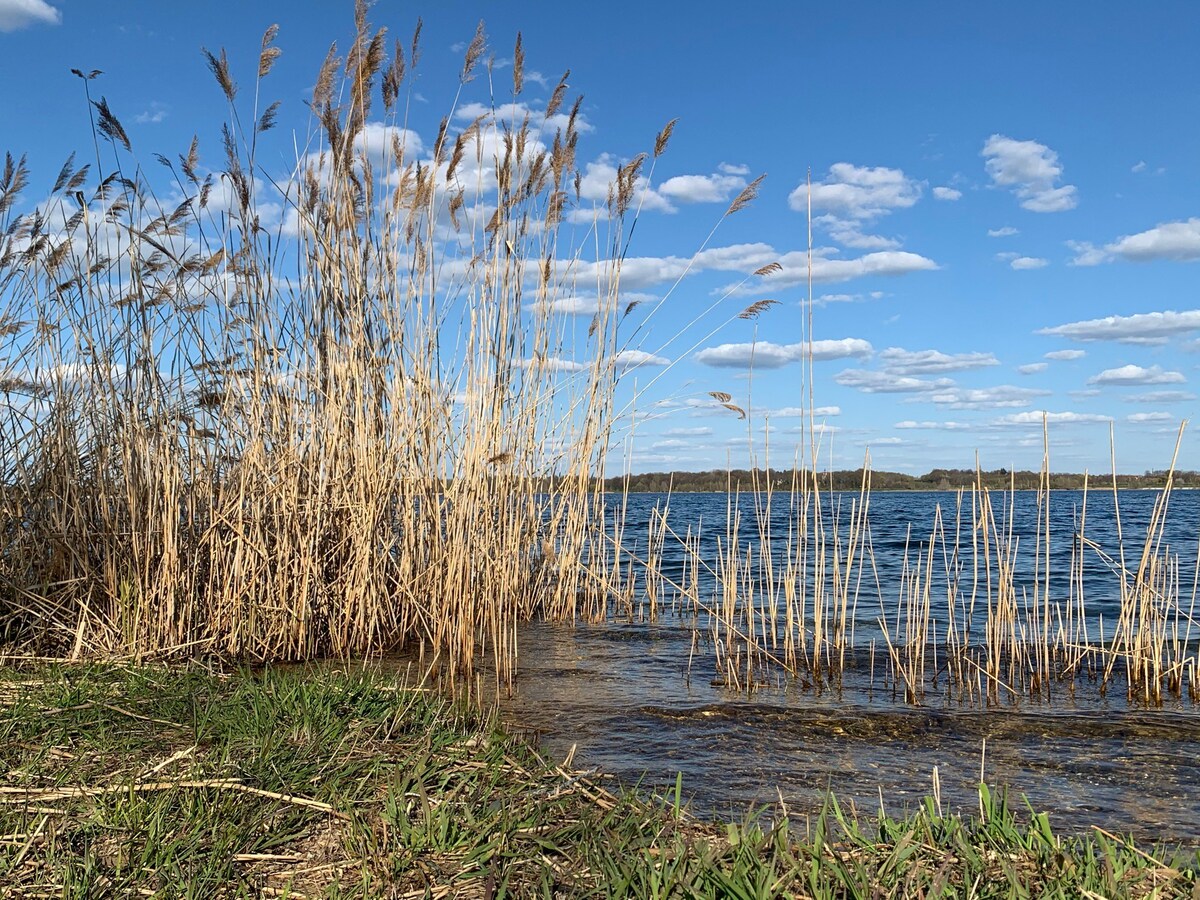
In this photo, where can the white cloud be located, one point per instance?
(572, 305)
(1161, 397)
(1033, 368)
(946, 193)
(378, 139)
(600, 177)
(792, 412)
(643, 272)
(886, 440)
(152, 116)
(824, 269)
(1139, 166)
(1142, 417)
(1087, 254)
(731, 169)
(1132, 374)
(886, 383)
(858, 192)
(1066, 354)
(1173, 241)
(850, 196)
(516, 112)
(553, 364)
(1031, 170)
(849, 234)
(935, 426)
(1179, 241)
(699, 431)
(17, 14)
(1006, 231)
(898, 361)
(1140, 328)
(768, 355)
(631, 359)
(1029, 262)
(701, 188)
(1036, 417)
(999, 397)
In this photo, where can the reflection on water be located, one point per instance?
(620, 693)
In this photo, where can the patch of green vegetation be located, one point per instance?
(185, 782)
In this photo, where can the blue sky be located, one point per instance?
(1006, 199)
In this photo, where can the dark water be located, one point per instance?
(637, 703)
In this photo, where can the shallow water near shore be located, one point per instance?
(617, 694)
(641, 700)
(638, 699)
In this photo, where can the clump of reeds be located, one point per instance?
(337, 434)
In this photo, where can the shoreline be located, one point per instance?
(148, 778)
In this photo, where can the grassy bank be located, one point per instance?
(128, 781)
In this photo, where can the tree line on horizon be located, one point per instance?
(717, 480)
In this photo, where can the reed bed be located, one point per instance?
(973, 615)
(357, 429)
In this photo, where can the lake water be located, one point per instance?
(638, 700)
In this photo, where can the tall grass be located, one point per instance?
(971, 613)
(356, 425)
(355, 430)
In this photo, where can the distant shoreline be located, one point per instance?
(720, 481)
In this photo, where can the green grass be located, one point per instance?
(184, 782)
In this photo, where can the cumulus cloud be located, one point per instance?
(553, 364)
(1006, 231)
(1140, 328)
(898, 361)
(769, 355)
(946, 193)
(600, 176)
(1031, 170)
(886, 383)
(1172, 241)
(1131, 374)
(795, 272)
(1178, 241)
(1161, 397)
(701, 188)
(850, 234)
(17, 14)
(792, 412)
(1033, 368)
(631, 359)
(858, 192)
(699, 431)
(1028, 262)
(516, 112)
(572, 305)
(642, 272)
(733, 169)
(1036, 417)
(156, 113)
(1066, 354)
(934, 426)
(998, 397)
(850, 196)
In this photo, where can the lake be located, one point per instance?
(642, 699)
